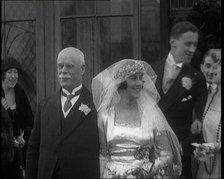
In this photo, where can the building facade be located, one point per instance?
(106, 31)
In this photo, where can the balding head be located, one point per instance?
(71, 52)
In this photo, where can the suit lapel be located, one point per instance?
(74, 118)
(159, 69)
(55, 115)
(176, 90)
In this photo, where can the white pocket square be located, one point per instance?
(187, 98)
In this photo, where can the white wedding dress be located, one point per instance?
(127, 150)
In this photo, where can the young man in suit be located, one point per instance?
(64, 140)
(182, 89)
(206, 67)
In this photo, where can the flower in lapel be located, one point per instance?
(84, 108)
(187, 83)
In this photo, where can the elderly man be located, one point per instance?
(64, 140)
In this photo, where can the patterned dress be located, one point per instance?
(210, 130)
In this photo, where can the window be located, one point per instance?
(106, 31)
(181, 4)
(18, 32)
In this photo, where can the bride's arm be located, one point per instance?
(167, 157)
(103, 142)
(167, 150)
(163, 154)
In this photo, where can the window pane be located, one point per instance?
(174, 4)
(189, 3)
(15, 10)
(114, 7)
(20, 43)
(71, 8)
(182, 3)
(80, 33)
(115, 39)
(103, 45)
(150, 30)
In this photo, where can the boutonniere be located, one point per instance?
(187, 98)
(187, 83)
(84, 108)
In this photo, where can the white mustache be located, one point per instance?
(64, 76)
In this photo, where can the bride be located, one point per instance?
(135, 139)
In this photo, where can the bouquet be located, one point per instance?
(204, 151)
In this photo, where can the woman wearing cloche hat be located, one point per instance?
(16, 103)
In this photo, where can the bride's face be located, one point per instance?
(134, 85)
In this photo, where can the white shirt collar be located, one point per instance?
(73, 100)
(170, 60)
(73, 91)
(208, 84)
(213, 86)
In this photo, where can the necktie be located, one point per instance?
(168, 80)
(209, 89)
(68, 102)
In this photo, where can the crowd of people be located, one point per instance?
(140, 121)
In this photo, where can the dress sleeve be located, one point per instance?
(103, 141)
(167, 149)
(167, 157)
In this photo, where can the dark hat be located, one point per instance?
(10, 62)
(24, 79)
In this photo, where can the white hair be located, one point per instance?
(71, 52)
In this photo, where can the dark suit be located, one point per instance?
(66, 146)
(178, 110)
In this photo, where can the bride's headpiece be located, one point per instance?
(106, 83)
(130, 69)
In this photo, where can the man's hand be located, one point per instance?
(196, 127)
(19, 141)
(4, 103)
